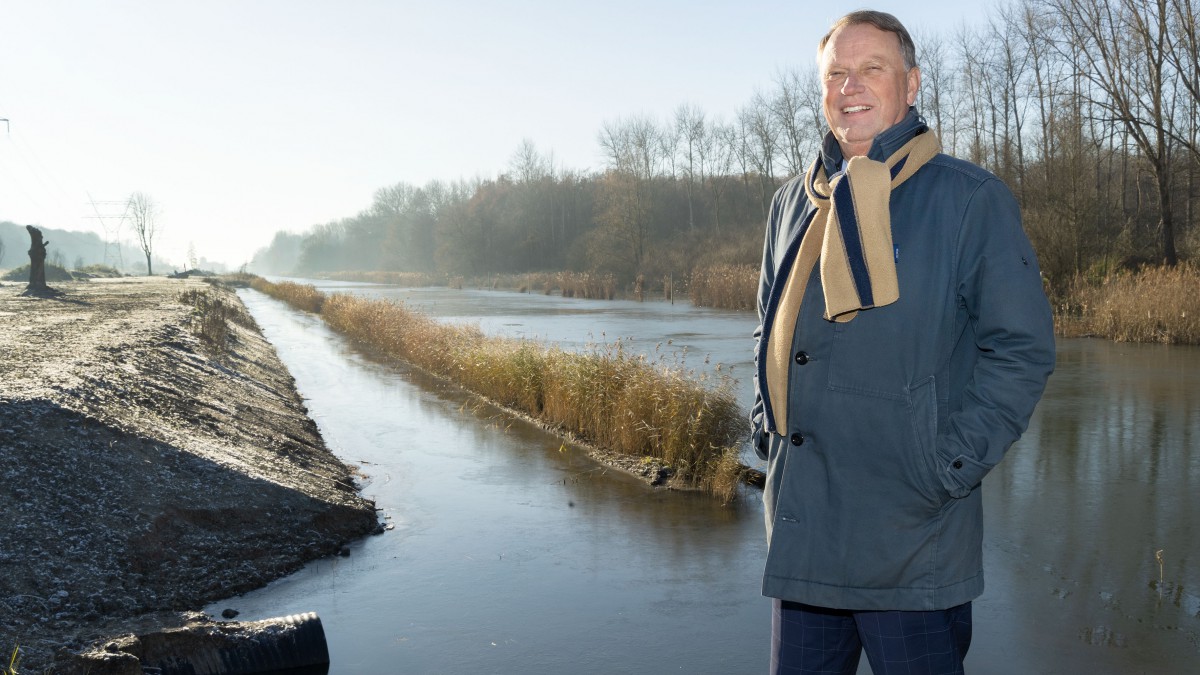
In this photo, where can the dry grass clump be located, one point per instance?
(212, 315)
(301, 296)
(1156, 304)
(724, 286)
(605, 396)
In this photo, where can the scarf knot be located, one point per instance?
(851, 237)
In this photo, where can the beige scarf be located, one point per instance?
(851, 234)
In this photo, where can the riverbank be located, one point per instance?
(146, 471)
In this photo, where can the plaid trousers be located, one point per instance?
(809, 640)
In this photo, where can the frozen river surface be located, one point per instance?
(512, 553)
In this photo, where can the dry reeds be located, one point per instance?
(588, 285)
(1157, 304)
(724, 286)
(301, 296)
(605, 396)
(405, 279)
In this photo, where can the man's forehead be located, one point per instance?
(869, 43)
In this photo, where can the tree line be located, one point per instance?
(1088, 109)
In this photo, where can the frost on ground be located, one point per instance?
(145, 472)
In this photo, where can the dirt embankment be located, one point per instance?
(145, 472)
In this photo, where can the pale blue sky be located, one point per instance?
(244, 118)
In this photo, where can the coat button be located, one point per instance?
(957, 464)
(797, 439)
(801, 358)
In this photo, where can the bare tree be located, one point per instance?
(792, 110)
(144, 213)
(692, 128)
(528, 164)
(635, 153)
(1125, 44)
(718, 152)
(936, 98)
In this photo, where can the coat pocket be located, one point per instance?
(923, 415)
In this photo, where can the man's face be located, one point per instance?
(865, 87)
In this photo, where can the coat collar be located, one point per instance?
(886, 143)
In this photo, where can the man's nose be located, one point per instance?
(853, 84)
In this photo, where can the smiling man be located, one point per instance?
(904, 342)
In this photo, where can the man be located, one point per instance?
(904, 341)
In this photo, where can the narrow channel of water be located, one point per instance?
(510, 553)
(514, 554)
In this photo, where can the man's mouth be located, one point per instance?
(855, 109)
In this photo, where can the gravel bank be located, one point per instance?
(145, 471)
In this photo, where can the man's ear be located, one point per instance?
(914, 84)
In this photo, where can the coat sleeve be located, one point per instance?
(766, 278)
(1000, 289)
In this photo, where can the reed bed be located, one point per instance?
(301, 296)
(588, 285)
(406, 279)
(526, 282)
(1156, 304)
(604, 396)
(724, 286)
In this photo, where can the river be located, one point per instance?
(513, 553)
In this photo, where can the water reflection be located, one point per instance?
(1105, 477)
(510, 555)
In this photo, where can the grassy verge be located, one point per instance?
(606, 397)
(1156, 304)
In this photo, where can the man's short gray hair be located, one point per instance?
(884, 22)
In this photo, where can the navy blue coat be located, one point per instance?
(894, 418)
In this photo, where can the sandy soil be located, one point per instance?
(145, 472)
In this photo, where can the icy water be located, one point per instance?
(511, 553)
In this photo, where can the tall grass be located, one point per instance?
(605, 396)
(724, 286)
(1156, 304)
(407, 279)
(301, 296)
(589, 285)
